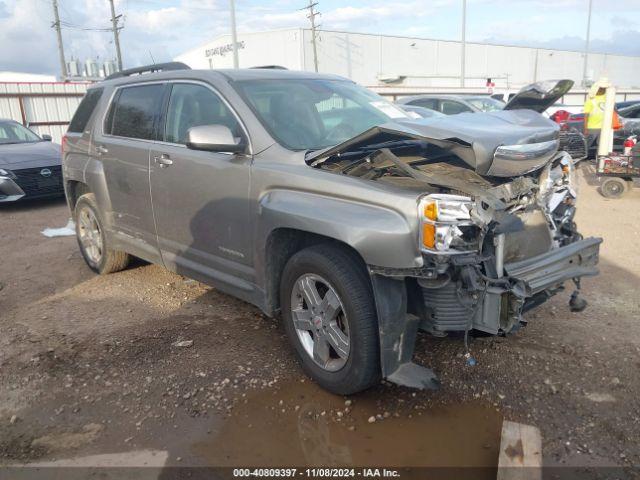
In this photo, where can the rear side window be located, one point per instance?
(430, 103)
(450, 107)
(134, 112)
(84, 111)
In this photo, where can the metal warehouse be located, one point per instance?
(377, 60)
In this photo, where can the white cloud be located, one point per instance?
(165, 28)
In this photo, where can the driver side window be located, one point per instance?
(194, 105)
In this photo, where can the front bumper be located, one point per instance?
(550, 269)
(495, 305)
(9, 191)
(468, 300)
(32, 183)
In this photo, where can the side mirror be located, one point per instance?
(46, 137)
(213, 138)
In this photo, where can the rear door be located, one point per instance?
(200, 199)
(123, 145)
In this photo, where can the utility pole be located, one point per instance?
(586, 46)
(56, 25)
(463, 52)
(234, 35)
(312, 18)
(116, 34)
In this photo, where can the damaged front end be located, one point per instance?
(496, 230)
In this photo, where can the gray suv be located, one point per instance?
(316, 199)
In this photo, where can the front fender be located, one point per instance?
(381, 235)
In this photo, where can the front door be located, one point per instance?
(200, 199)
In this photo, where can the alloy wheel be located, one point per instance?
(320, 321)
(90, 235)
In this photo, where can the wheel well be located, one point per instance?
(281, 245)
(75, 190)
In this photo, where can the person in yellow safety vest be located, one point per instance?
(594, 115)
(594, 110)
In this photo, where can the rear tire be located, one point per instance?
(92, 240)
(613, 187)
(345, 319)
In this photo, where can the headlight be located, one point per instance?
(445, 224)
(569, 174)
(557, 181)
(7, 174)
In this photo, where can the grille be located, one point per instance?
(446, 311)
(574, 143)
(34, 184)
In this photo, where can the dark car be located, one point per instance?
(30, 165)
(629, 113)
(628, 103)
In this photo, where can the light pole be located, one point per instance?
(464, 42)
(586, 46)
(116, 38)
(56, 25)
(234, 36)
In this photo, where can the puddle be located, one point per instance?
(302, 425)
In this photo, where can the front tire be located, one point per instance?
(92, 240)
(330, 318)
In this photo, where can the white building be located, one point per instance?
(377, 60)
(25, 77)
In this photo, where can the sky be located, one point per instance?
(158, 30)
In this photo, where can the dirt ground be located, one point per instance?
(92, 365)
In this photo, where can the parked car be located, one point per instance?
(453, 104)
(317, 200)
(531, 97)
(628, 103)
(30, 165)
(420, 112)
(630, 111)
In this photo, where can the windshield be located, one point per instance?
(304, 114)
(13, 132)
(487, 104)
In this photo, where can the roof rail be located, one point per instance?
(271, 67)
(156, 67)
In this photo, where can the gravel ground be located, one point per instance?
(146, 359)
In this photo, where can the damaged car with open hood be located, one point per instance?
(319, 201)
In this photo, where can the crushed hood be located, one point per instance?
(474, 137)
(539, 96)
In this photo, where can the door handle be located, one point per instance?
(163, 160)
(101, 150)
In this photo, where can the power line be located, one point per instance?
(312, 18)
